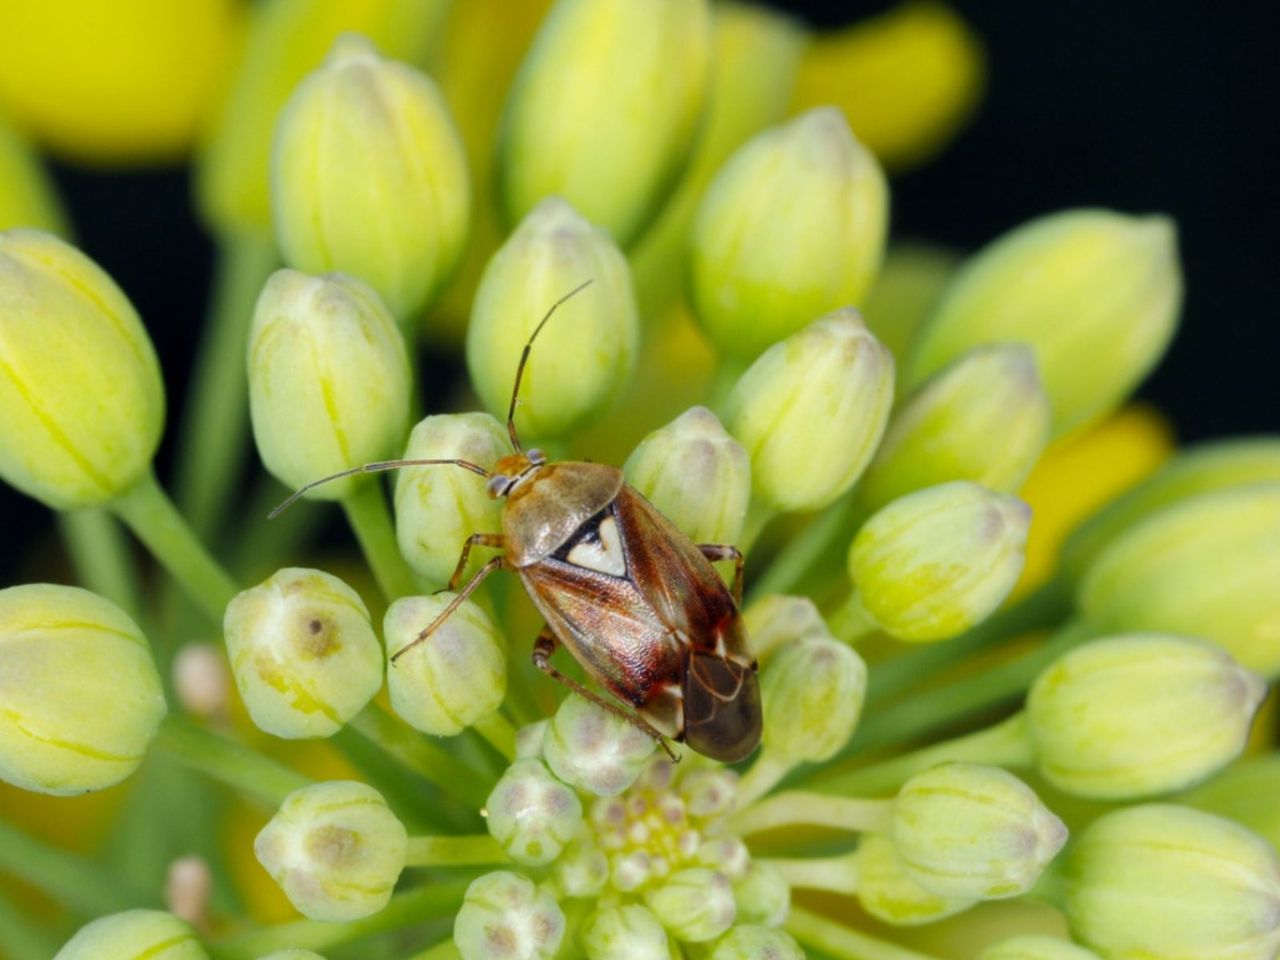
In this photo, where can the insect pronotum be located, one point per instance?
(634, 600)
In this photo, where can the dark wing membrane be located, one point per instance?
(722, 716)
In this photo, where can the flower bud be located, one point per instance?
(81, 695)
(1205, 567)
(303, 653)
(582, 870)
(458, 676)
(328, 379)
(27, 195)
(778, 620)
(202, 680)
(505, 917)
(335, 849)
(811, 410)
(529, 739)
(696, 474)
(134, 935)
(532, 814)
(888, 892)
(594, 750)
(972, 831)
(1165, 881)
(585, 354)
(82, 404)
(627, 932)
(709, 792)
(1036, 947)
(695, 905)
(1139, 714)
(812, 693)
(292, 954)
(368, 177)
(935, 562)
(747, 942)
(1078, 284)
(792, 227)
(439, 506)
(984, 418)
(908, 287)
(632, 73)
(763, 895)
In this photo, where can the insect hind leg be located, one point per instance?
(546, 645)
(494, 564)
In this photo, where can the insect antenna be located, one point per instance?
(524, 358)
(377, 467)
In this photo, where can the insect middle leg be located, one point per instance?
(488, 568)
(723, 551)
(546, 645)
(475, 540)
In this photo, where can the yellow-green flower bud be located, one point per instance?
(628, 932)
(328, 379)
(748, 942)
(582, 870)
(134, 935)
(888, 892)
(335, 849)
(792, 227)
(605, 108)
(695, 905)
(594, 750)
(973, 831)
(368, 177)
(532, 814)
(763, 895)
(303, 652)
(1033, 946)
(1205, 567)
(585, 353)
(1095, 293)
(27, 196)
(505, 917)
(985, 418)
(779, 620)
(1134, 715)
(907, 289)
(81, 695)
(811, 411)
(529, 739)
(812, 692)
(438, 506)
(696, 474)
(292, 954)
(935, 562)
(1165, 881)
(81, 404)
(708, 792)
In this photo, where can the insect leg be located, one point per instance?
(456, 602)
(721, 551)
(545, 646)
(475, 540)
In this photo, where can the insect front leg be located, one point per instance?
(456, 602)
(723, 551)
(546, 645)
(475, 540)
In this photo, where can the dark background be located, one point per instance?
(1141, 106)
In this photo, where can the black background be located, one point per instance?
(1140, 106)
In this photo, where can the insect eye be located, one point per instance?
(497, 485)
(536, 457)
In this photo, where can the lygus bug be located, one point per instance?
(636, 602)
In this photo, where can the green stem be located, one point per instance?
(787, 570)
(797, 807)
(476, 850)
(261, 545)
(499, 732)
(212, 439)
(370, 519)
(228, 762)
(431, 900)
(67, 878)
(841, 942)
(20, 939)
(764, 775)
(444, 950)
(151, 515)
(100, 555)
(833, 874)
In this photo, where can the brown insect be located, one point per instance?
(635, 601)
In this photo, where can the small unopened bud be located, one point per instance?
(187, 886)
(1165, 881)
(695, 905)
(629, 932)
(972, 831)
(505, 917)
(748, 942)
(328, 379)
(888, 892)
(792, 227)
(594, 750)
(582, 869)
(303, 652)
(532, 814)
(202, 680)
(1095, 293)
(134, 935)
(984, 418)
(709, 792)
(335, 849)
(1036, 947)
(529, 739)
(811, 410)
(812, 692)
(1138, 714)
(585, 353)
(778, 620)
(935, 562)
(80, 692)
(81, 402)
(763, 895)
(369, 178)
(696, 474)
